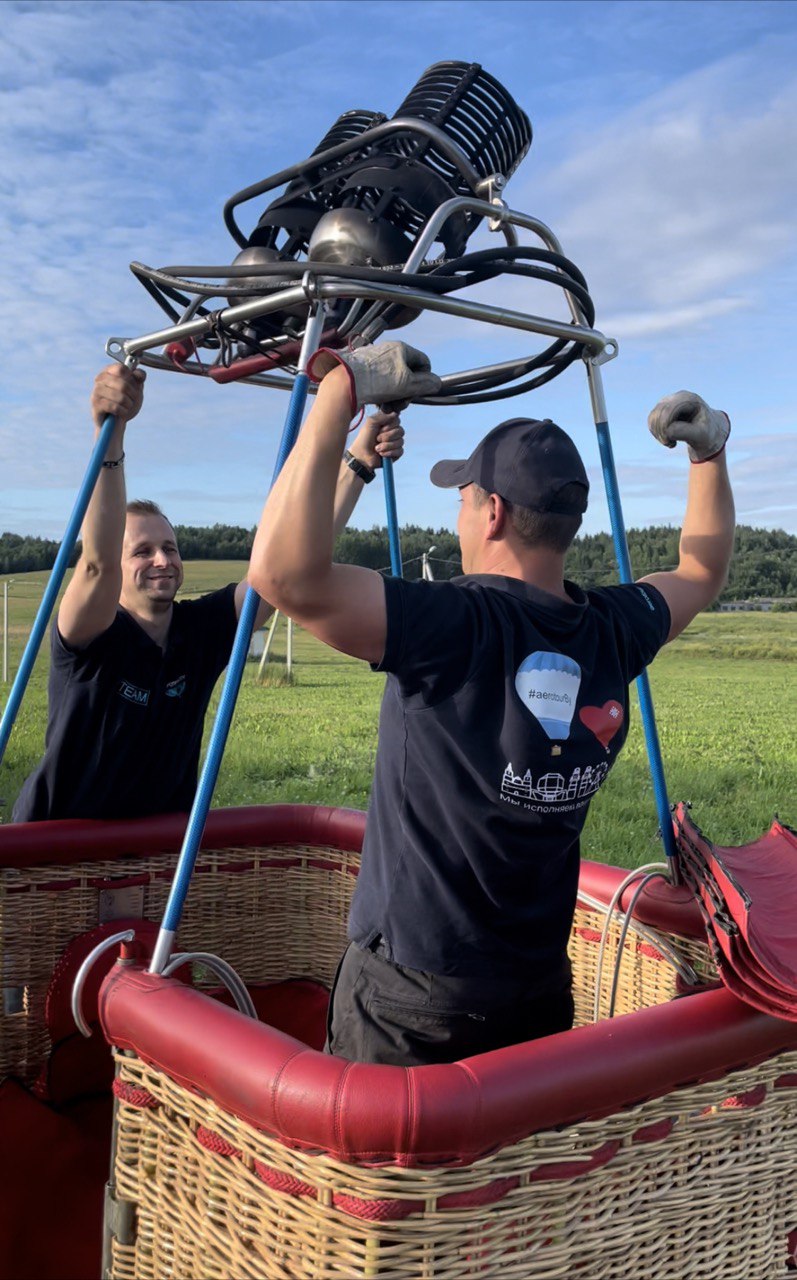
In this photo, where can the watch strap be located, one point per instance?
(360, 469)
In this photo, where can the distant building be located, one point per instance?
(761, 604)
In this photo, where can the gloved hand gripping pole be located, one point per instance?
(57, 573)
(232, 682)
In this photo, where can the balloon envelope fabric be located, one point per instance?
(747, 896)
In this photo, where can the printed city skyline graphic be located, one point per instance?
(552, 787)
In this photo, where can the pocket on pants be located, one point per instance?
(342, 984)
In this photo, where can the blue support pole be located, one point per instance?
(232, 685)
(54, 582)
(396, 567)
(643, 683)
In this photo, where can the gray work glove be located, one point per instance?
(391, 373)
(684, 416)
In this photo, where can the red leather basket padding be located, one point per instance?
(64, 842)
(671, 908)
(30, 844)
(429, 1115)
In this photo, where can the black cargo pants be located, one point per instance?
(383, 1012)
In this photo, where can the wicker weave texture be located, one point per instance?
(272, 913)
(645, 979)
(692, 1186)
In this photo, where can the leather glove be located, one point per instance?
(684, 416)
(391, 373)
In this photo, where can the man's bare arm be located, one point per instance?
(709, 524)
(291, 564)
(90, 601)
(380, 437)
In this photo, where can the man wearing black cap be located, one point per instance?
(506, 705)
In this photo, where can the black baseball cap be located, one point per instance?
(525, 461)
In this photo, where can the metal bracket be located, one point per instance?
(310, 287)
(115, 348)
(120, 1218)
(118, 904)
(608, 352)
(490, 189)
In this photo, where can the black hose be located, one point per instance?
(437, 277)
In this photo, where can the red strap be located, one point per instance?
(315, 376)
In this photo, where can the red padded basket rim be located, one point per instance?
(31, 844)
(62, 843)
(450, 1114)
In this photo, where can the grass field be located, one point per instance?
(726, 706)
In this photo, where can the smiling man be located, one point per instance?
(132, 668)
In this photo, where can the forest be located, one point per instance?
(764, 563)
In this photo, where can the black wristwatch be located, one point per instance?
(360, 469)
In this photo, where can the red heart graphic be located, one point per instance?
(603, 721)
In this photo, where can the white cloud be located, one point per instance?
(688, 194)
(120, 138)
(646, 324)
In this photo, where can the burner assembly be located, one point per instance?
(375, 225)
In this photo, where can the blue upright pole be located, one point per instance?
(624, 566)
(54, 582)
(232, 684)
(396, 567)
(643, 683)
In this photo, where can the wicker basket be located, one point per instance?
(688, 1182)
(691, 1186)
(252, 903)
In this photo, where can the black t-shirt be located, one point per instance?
(503, 712)
(125, 720)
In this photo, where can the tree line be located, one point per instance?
(764, 562)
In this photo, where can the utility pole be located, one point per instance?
(6, 585)
(426, 568)
(267, 647)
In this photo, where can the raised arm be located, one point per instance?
(381, 436)
(707, 534)
(292, 562)
(90, 601)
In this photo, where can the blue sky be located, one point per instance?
(663, 158)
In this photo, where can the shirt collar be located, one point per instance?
(570, 610)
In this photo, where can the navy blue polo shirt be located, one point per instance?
(504, 710)
(125, 719)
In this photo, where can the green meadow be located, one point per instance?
(726, 705)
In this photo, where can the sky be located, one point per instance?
(663, 159)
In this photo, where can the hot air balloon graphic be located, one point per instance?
(547, 685)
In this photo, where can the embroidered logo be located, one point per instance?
(603, 721)
(176, 688)
(547, 685)
(133, 694)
